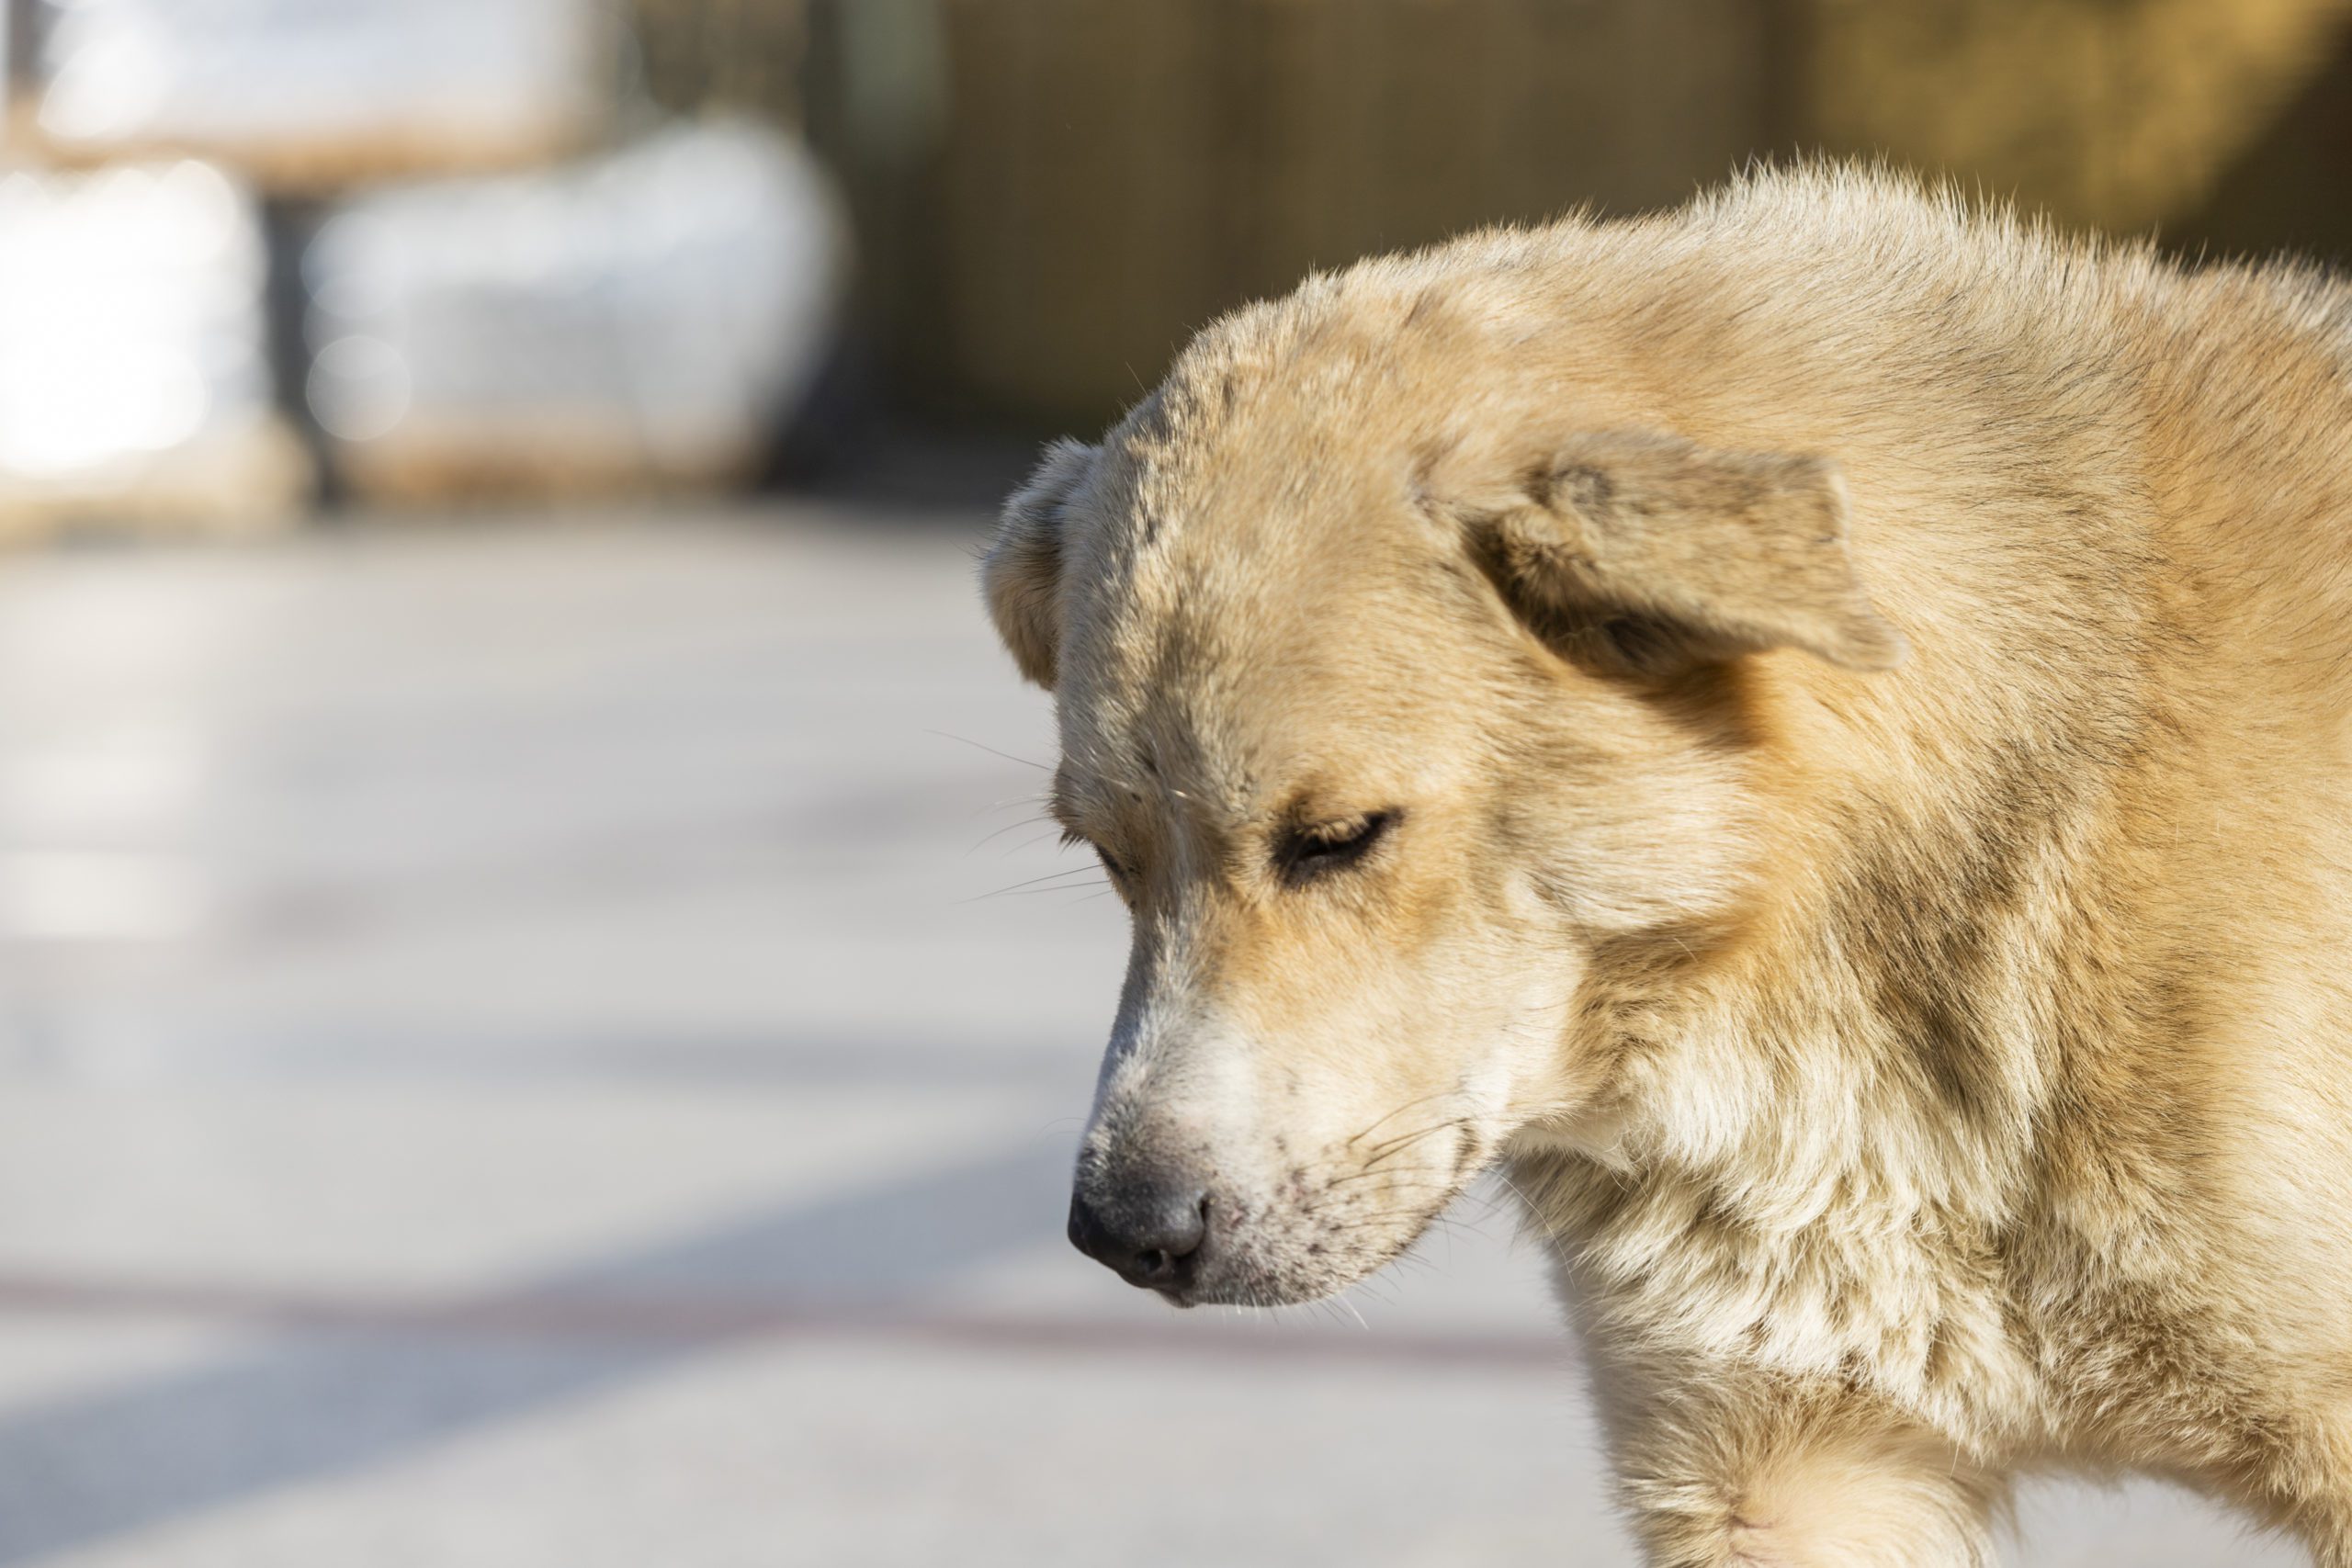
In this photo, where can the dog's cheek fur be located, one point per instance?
(1605, 821)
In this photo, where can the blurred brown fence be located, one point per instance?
(1052, 194)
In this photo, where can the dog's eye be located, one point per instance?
(1306, 854)
(1111, 862)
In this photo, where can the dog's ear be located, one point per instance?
(1022, 573)
(1645, 552)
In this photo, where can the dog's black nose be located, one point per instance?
(1152, 1233)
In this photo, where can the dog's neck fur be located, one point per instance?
(1813, 1151)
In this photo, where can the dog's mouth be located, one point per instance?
(1316, 1232)
(1324, 1257)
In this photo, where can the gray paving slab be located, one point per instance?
(537, 1043)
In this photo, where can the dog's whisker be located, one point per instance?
(1033, 884)
(968, 741)
(1399, 1111)
(1009, 828)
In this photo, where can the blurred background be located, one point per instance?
(539, 1022)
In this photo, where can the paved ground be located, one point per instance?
(512, 1056)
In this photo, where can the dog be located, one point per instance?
(1815, 731)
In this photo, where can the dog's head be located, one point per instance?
(1394, 722)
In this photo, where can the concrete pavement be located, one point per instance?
(542, 1043)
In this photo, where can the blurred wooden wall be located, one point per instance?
(1053, 194)
(736, 56)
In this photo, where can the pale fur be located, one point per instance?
(1923, 1074)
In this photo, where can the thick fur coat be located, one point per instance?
(1815, 731)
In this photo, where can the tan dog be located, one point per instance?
(1817, 731)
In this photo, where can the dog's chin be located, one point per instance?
(1295, 1270)
(1260, 1290)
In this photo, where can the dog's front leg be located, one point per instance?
(1762, 1472)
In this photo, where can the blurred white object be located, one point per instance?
(134, 370)
(306, 92)
(654, 316)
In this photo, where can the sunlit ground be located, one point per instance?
(538, 1045)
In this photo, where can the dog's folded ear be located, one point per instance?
(1020, 574)
(1645, 552)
